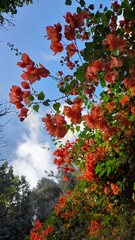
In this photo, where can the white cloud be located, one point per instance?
(49, 57)
(31, 157)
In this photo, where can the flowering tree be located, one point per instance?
(102, 204)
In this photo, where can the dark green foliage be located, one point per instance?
(44, 198)
(15, 210)
(66, 185)
(68, 2)
(10, 7)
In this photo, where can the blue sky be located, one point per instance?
(25, 140)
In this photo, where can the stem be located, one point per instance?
(54, 78)
(78, 2)
(51, 109)
(78, 52)
(96, 97)
(53, 100)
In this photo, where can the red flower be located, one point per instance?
(93, 68)
(70, 64)
(85, 36)
(48, 230)
(133, 109)
(115, 189)
(124, 100)
(94, 227)
(75, 20)
(25, 85)
(115, 62)
(25, 61)
(71, 49)
(69, 33)
(111, 77)
(111, 106)
(23, 114)
(66, 178)
(129, 83)
(91, 159)
(55, 125)
(96, 119)
(116, 6)
(89, 172)
(33, 73)
(34, 235)
(114, 42)
(37, 225)
(74, 113)
(61, 203)
(56, 47)
(42, 71)
(60, 73)
(16, 96)
(63, 157)
(53, 33)
(70, 19)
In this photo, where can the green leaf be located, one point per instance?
(36, 107)
(103, 83)
(79, 10)
(31, 98)
(67, 88)
(69, 101)
(56, 106)
(80, 72)
(46, 102)
(82, 3)
(41, 96)
(68, 2)
(100, 169)
(104, 96)
(77, 128)
(91, 7)
(73, 84)
(105, 9)
(109, 170)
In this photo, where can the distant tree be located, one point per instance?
(66, 181)
(4, 107)
(10, 7)
(15, 211)
(44, 197)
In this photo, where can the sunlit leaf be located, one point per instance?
(36, 107)
(56, 106)
(68, 2)
(41, 96)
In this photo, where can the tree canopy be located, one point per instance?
(10, 7)
(20, 206)
(98, 95)
(16, 214)
(44, 197)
